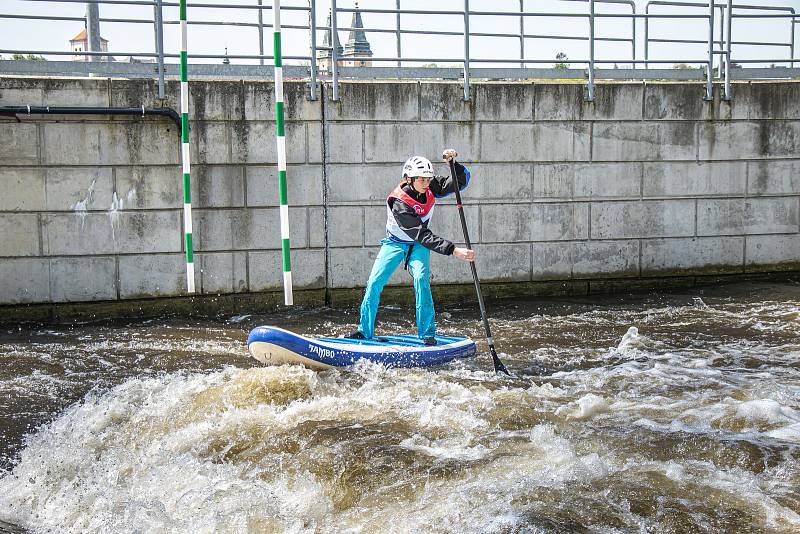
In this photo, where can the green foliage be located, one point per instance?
(28, 57)
(562, 59)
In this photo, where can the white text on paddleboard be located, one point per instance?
(322, 353)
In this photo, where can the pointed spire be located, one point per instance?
(357, 44)
(326, 41)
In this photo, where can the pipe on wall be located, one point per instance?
(13, 111)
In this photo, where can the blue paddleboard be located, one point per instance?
(275, 346)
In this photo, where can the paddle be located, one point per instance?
(498, 365)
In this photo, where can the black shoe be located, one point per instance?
(355, 334)
(430, 341)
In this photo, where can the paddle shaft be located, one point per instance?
(498, 365)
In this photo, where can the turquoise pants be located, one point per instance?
(390, 256)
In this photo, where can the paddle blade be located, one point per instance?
(498, 365)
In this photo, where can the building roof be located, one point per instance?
(357, 44)
(326, 41)
(83, 36)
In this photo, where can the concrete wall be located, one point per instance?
(647, 181)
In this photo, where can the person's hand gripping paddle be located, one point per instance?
(449, 157)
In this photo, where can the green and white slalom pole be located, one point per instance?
(280, 135)
(187, 190)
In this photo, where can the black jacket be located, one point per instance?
(410, 222)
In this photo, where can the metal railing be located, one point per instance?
(512, 61)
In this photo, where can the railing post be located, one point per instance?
(398, 34)
(521, 34)
(590, 87)
(312, 4)
(466, 49)
(646, 36)
(260, 34)
(729, 25)
(334, 54)
(159, 29)
(93, 30)
(710, 66)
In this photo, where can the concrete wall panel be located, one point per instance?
(617, 101)
(113, 143)
(20, 234)
(675, 101)
(266, 269)
(247, 229)
(668, 218)
(156, 275)
(773, 177)
(254, 143)
(24, 281)
(303, 185)
(362, 183)
(503, 102)
(79, 189)
(161, 187)
(766, 253)
(19, 143)
(505, 223)
(587, 181)
(749, 140)
(396, 101)
(543, 141)
(345, 143)
(444, 102)
(606, 258)
(747, 216)
(643, 141)
(552, 261)
(112, 232)
(83, 279)
(497, 181)
(224, 272)
(346, 227)
(316, 228)
(692, 255)
(503, 263)
(559, 101)
(679, 179)
(756, 100)
(23, 189)
(394, 143)
(558, 222)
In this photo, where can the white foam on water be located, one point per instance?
(586, 407)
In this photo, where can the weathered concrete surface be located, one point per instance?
(648, 184)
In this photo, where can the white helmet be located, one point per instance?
(418, 166)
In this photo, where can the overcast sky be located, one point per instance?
(127, 38)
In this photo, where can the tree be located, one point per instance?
(29, 57)
(562, 59)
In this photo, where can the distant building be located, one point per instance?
(80, 43)
(356, 52)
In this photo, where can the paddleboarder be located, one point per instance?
(409, 208)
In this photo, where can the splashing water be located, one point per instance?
(688, 421)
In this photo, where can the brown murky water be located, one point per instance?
(664, 413)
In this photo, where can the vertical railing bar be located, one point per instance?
(729, 25)
(633, 39)
(159, 28)
(590, 88)
(313, 29)
(260, 34)
(334, 54)
(466, 50)
(399, 35)
(521, 33)
(710, 65)
(646, 36)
